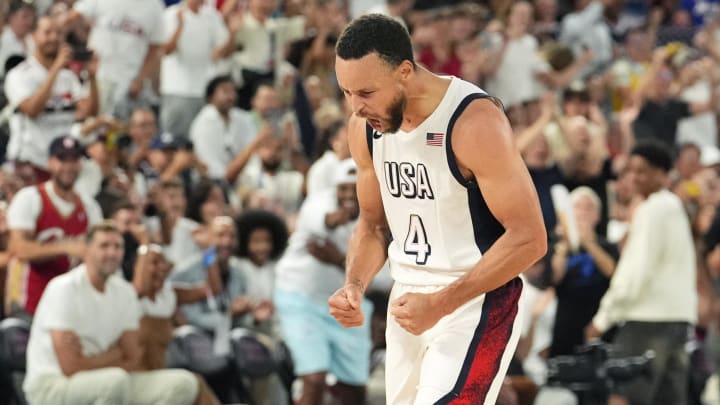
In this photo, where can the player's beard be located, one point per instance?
(395, 112)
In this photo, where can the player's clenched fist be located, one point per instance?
(415, 312)
(345, 306)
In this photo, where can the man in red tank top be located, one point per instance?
(47, 224)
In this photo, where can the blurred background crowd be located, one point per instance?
(212, 134)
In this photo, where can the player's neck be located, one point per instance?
(424, 94)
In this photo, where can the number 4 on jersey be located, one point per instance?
(416, 240)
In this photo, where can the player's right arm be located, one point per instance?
(367, 250)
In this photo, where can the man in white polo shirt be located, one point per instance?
(221, 132)
(45, 95)
(84, 343)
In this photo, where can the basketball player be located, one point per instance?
(440, 176)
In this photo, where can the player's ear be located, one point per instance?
(405, 69)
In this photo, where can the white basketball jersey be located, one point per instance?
(439, 221)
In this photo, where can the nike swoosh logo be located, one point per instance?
(376, 135)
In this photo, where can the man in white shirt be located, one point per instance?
(196, 38)
(311, 269)
(264, 184)
(653, 294)
(16, 38)
(84, 346)
(45, 94)
(221, 131)
(127, 37)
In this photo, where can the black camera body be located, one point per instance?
(591, 371)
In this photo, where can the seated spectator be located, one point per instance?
(311, 270)
(141, 130)
(170, 158)
(221, 270)
(158, 304)
(221, 131)
(264, 185)
(173, 230)
(226, 305)
(262, 238)
(127, 218)
(84, 342)
(47, 223)
(205, 203)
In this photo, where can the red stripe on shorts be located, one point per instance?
(487, 347)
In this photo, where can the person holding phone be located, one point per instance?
(45, 94)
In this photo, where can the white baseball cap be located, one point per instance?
(346, 172)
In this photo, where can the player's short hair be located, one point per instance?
(375, 33)
(655, 153)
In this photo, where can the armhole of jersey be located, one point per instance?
(369, 137)
(452, 162)
(486, 228)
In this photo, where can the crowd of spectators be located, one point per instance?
(199, 149)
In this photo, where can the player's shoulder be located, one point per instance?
(482, 111)
(481, 128)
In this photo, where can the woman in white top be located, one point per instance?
(262, 238)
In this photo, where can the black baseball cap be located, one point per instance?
(66, 147)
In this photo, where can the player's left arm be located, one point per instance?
(483, 145)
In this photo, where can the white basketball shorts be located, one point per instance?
(462, 359)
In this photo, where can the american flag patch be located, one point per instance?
(434, 139)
